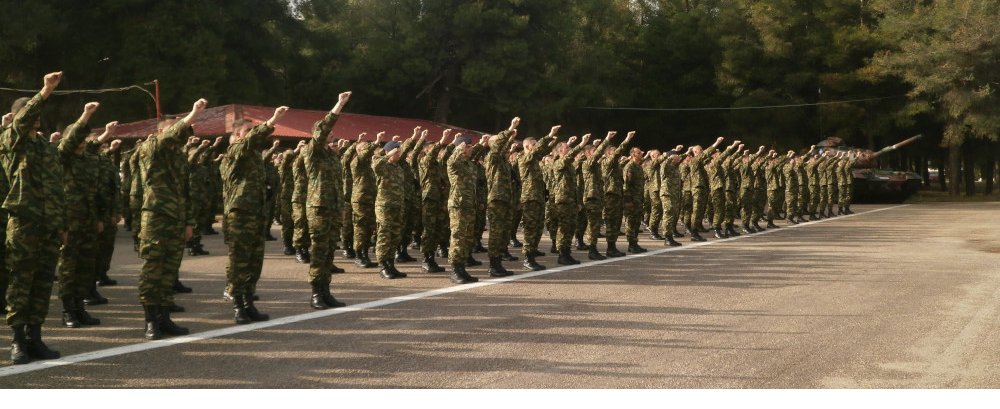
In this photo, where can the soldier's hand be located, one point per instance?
(276, 143)
(205, 143)
(423, 135)
(395, 138)
(341, 101)
(278, 113)
(8, 118)
(416, 132)
(361, 136)
(115, 144)
(585, 139)
(555, 130)
(611, 135)
(91, 107)
(110, 127)
(514, 123)
(736, 142)
(51, 81)
(199, 105)
(379, 136)
(596, 142)
(629, 136)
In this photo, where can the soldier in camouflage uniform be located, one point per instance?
(804, 191)
(244, 195)
(35, 207)
(632, 199)
(517, 213)
(774, 191)
(699, 186)
(613, 185)
(198, 182)
(433, 206)
(286, 161)
(84, 220)
(671, 193)
(481, 199)
(593, 194)
(411, 195)
(759, 191)
(135, 194)
(815, 189)
(167, 221)
(687, 201)
(717, 180)
(111, 192)
(500, 196)
(532, 197)
(363, 196)
(300, 187)
(272, 182)
(791, 201)
(8, 118)
(462, 206)
(565, 193)
(651, 169)
(390, 204)
(322, 166)
(846, 184)
(125, 183)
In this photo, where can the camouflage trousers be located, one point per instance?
(613, 214)
(287, 222)
(364, 224)
(499, 215)
(269, 212)
(463, 225)
(746, 204)
(791, 201)
(480, 219)
(136, 211)
(732, 207)
(550, 219)
(410, 213)
(672, 203)
(718, 199)
(824, 198)
(804, 199)
(246, 251)
(699, 201)
(759, 204)
(161, 246)
(815, 197)
(774, 202)
(593, 209)
(845, 195)
(32, 250)
(347, 227)
(199, 208)
(300, 238)
(517, 213)
(435, 222)
(647, 206)
(687, 207)
(655, 212)
(415, 224)
(78, 259)
(533, 216)
(324, 231)
(390, 220)
(106, 246)
(566, 217)
(581, 224)
(633, 219)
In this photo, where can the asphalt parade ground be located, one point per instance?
(891, 297)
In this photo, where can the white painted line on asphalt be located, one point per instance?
(239, 329)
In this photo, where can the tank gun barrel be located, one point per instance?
(891, 148)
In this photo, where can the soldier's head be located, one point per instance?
(636, 154)
(561, 148)
(654, 153)
(589, 150)
(240, 128)
(165, 122)
(529, 144)
(696, 150)
(18, 105)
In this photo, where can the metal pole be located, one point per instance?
(156, 83)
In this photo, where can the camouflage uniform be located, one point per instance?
(244, 195)
(166, 210)
(390, 204)
(614, 181)
(81, 174)
(500, 200)
(411, 193)
(481, 196)
(462, 204)
(347, 229)
(287, 182)
(363, 197)
(687, 200)
(774, 170)
(759, 171)
(815, 189)
(324, 200)
(791, 190)
(110, 192)
(35, 205)
(125, 184)
(633, 195)
(652, 173)
(200, 192)
(272, 182)
(136, 193)
(565, 193)
(593, 192)
(671, 195)
(433, 194)
(846, 180)
(801, 170)
(532, 196)
(300, 187)
(718, 178)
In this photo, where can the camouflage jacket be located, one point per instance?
(529, 166)
(363, 190)
(322, 167)
(32, 170)
(432, 187)
(462, 177)
(391, 178)
(699, 176)
(499, 182)
(81, 176)
(165, 170)
(611, 172)
(634, 184)
(243, 179)
(593, 178)
(565, 183)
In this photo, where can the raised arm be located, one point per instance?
(77, 132)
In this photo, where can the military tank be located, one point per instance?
(873, 184)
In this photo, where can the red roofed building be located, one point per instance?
(296, 124)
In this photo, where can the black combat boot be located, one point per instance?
(82, 316)
(719, 234)
(94, 298)
(634, 247)
(168, 327)
(613, 250)
(770, 224)
(566, 258)
(746, 228)
(756, 225)
(554, 249)
(458, 274)
(302, 255)
(812, 217)
(479, 247)
(515, 243)
(731, 230)
(328, 298)
(791, 219)
(531, 265)
(104, 281)
(197, 250)
(152, 316)
(403, 256)
(181, 288)
(252, 312)
(847, 210)
(507, 256)
(239, 311)
(580, 245)
(362, 260)
(676, 233)
(669, 241)
(430, 265)
(594, 254)
(289, 249)
(472, 262)
(496, 268)
(536, 253)
(348, 252)
(317, 297)
(19, 347)
(468, 277)
(655, 234)
(695, 236)
(388, 270)
(69, 316)
(36, 348)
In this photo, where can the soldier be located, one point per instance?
(481, 199)
(166, 219)
(717, 181)
(200, 192)
(462, 207)
(110, 191)
(8, 118)
(35, 207)
(347, 230)
(532, 197)
(135, 194)
(433, 206)
(565, 188)
(791, 190)
(699, 186)
(815, 189)
(774, 168)
(516, 211)
(300, 187)
(633, 195)
(847, 184)
(390, 203)
(671, 193)
(611, 175)
(759, 190)
(651, 169)
(273, 185)
(286, 160)
(363, 195)
(804, 190)
(500, 200)
(323, 211)
(411, 207)
(125, 184)
(244, 193)
(593, 193)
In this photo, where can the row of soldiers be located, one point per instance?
(379, 192)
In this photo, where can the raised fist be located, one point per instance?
(515, 122)
(90, 107)
(110, 127)
(344, 96)
(555, 130)
(199, 105)
(51, 80)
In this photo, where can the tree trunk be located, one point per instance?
(989, 166)
(969, 168)
(942, 161)
(954, 168)
(443, 108)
